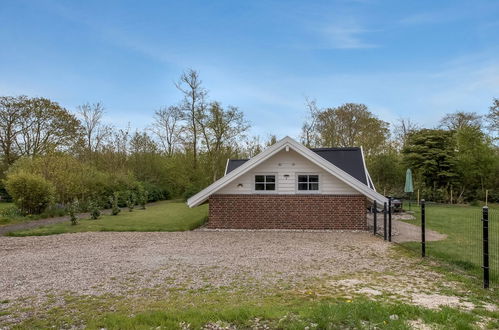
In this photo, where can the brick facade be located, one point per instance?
(262, 211)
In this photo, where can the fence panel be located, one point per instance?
(454, 234)
(494, 247)
(377, 220)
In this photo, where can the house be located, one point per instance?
(289, 186)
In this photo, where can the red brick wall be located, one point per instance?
(288, 212)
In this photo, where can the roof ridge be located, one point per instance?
(335, 148)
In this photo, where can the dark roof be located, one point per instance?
(233, 164)
(348, 159)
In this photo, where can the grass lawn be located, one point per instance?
(6, 220)
(161, 216)
(463, 246)
(221, 309)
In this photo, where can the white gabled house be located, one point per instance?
(289, 186)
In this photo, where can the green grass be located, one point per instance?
(463, 245)
(279, 310)
(6, 220)
(161, 216)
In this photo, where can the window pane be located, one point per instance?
(313, 178)
(270, 178)
(302, 186)
(259, 178)
(302, 178)
(259, 186)
(314, 186)
(270, 186)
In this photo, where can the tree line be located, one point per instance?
(52, 156)
(457, 159)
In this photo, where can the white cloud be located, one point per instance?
(346, 36)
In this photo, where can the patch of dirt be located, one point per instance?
(434, 301)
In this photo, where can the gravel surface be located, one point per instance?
(97, 263)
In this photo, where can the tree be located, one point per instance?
(46, 127)
(220, 129)
(35, 126)
(476, 162)
(12, 112)
(431, 154)
(493, 119)
(460, 119)
(402, 129)
(94, 131)
(309, 134)
(345, 126)
(168, 128)
(193, 105)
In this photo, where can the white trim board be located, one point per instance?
(286, 142)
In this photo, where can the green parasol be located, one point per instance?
(408, 181)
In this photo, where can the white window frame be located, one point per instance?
(298, 191)
(266, 191)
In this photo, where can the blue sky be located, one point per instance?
(410, 59)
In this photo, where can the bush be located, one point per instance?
(191, 190)
(130, 202)
(30, 192)
(73, 210)
(155, 192)
(94, 210)
(115, 209)
(142, 198)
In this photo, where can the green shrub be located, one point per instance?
(142, 198)
(94, 210)
(73, 210)
(130, 202)
(115, 209)
(155, 192)
(190, 191)
(30, 192)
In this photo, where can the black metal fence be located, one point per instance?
(467, 237)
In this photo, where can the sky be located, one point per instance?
(403, 59)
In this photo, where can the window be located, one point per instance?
(308, 182)
(264, 182)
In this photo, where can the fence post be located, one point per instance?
(389, 219)
(384, 221)
(423, 222)
(485, 239)
(375, 217)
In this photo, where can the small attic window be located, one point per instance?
(308, 182)
(264, 182)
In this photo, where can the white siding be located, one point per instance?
(290, 163)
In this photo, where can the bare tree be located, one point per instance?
(193, 104)
(493, 119)
(402, 129)
(308, 135)
(167, 126)
(95, 132)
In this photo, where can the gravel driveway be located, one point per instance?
(96, 263)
